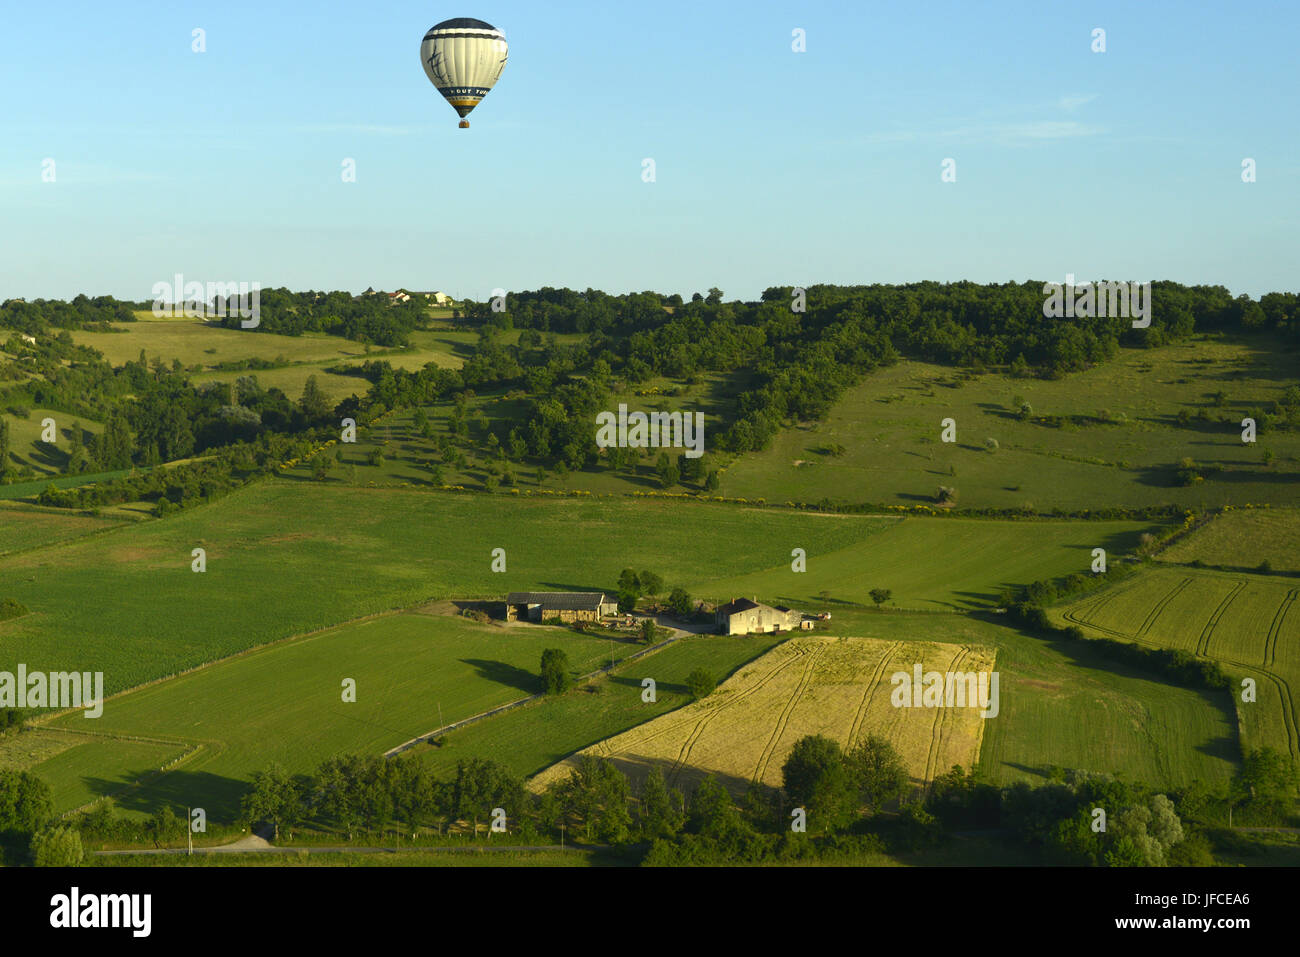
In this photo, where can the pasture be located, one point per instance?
(284, 704)
(201, 348)
(1243, 538)
(837, 687)
(287, 557)
(1118, 440)
(1245, 622)
(27, 449)
(937, 563)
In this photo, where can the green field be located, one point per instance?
(1243, 538)
(1246, 622)
(201, 347)
(97, 765)
(938, 563)
(286, 557)
(27, 450)
(284, 703)
(25, 527)
(532, 738)
(294, 558)
(889, 427)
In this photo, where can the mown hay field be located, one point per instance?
(837, 687)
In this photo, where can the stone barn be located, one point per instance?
(568, 606)
(741, 616)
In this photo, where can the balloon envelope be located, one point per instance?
(463, 58)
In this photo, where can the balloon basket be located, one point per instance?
(464, 124)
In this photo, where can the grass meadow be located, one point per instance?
(284, 704)
(1243, 538)
(286, 557)
(26, 447)
(1123, 449)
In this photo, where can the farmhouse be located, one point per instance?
(741, 616)
(565, 605)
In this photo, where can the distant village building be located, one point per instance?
(401, 295)
(568, 606)
(741, 616)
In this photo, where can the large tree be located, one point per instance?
(555, 671)
(877, 770)
(816, 777)
(25, 802)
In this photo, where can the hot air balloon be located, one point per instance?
(463, 58)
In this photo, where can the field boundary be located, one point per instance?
(520, 702)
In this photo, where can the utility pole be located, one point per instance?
(189, 832)
(440, 724)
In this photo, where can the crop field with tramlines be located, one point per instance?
(837, 687)
(1248, 623)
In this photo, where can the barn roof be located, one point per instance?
(560, 600)
(738, 605)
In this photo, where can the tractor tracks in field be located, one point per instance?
(861, 714)
(809, 668)
(1285, 697)
(941, 714)
(1161, 605)
(684, 754)
(1203, 642)
(1270, 641)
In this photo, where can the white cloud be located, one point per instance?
(1074, 102)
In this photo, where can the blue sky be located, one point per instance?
(772, 167)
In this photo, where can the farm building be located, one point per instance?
(565, 605)
(741, 616)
